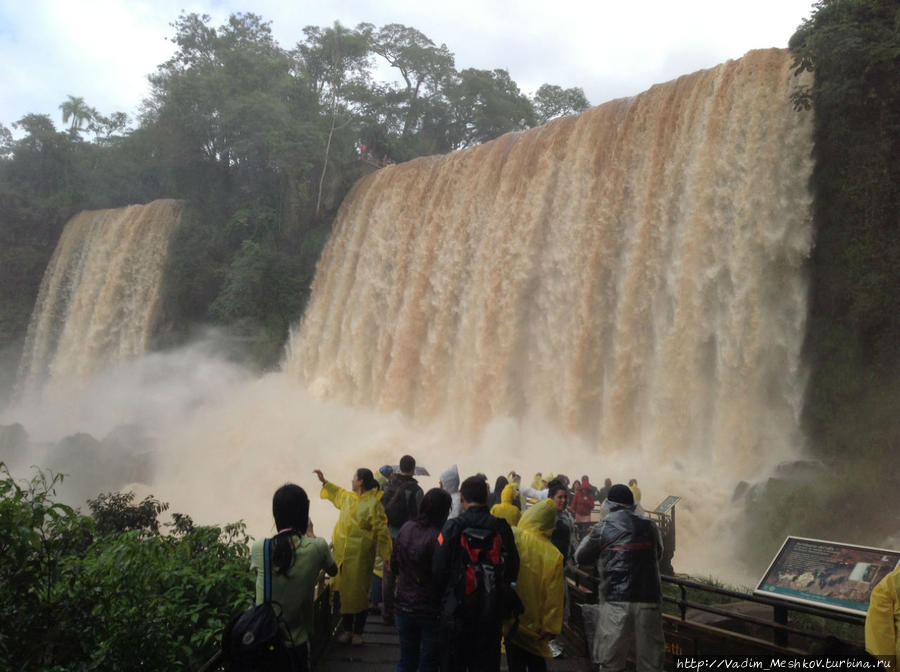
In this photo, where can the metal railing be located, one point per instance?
(815, 630)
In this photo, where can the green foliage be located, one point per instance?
(488, 104)
(551, 101)
(79, 112)
(853, 48)
(114, 513)
(844, 491)
(75, 596)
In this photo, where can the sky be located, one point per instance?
(103, 50)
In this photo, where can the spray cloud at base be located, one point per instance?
(198, 432)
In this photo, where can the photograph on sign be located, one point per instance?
(826, 573)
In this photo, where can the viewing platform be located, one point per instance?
(380, 652)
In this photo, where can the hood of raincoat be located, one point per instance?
(450, 480)
(540, 518)
(508, 494)
(616, 506)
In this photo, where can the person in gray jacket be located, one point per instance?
(450, 482)
(626, 549)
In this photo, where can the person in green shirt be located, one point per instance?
(297, 557)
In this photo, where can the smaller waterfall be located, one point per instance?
(99, 298)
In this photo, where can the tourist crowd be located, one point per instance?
(468, 570)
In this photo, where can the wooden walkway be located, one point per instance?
(381, 651)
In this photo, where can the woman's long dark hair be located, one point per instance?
(435, 508)
(499, 484)
(290, 507)
(367, 478)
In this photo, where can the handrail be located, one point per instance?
(746, 618)
(810, 610)
(587, 584)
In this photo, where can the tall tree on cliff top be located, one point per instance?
(333, 61)
(488, 104)
(551, 101)
(78, 111)
(412, 114)
(228, 112)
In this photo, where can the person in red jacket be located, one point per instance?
(582, 505)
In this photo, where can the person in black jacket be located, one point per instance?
(626, 549)
(418, 605)
(473, 617)
(401, 500)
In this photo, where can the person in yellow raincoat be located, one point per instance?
(361, 530)
(541, 588)
(506, 509)
(883, 620)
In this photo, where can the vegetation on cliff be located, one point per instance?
(853, 331)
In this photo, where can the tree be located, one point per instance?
(552, 101)
(105, 128)
(223, 108)
(488, 104)
(43, 161)
(333, 60)
(6, 142)
(329, 59)
(78, 111)
(410, 117)
(114, 513)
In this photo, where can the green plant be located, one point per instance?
(112, 592)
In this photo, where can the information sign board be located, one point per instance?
(826, 573)
(666, 505)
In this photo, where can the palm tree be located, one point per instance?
(78, 111)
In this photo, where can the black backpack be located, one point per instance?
(254, 640)
(400, 502)
(478, 591)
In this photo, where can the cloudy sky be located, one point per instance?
(102, 50)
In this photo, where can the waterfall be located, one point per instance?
(633, 275)
(99, 297)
